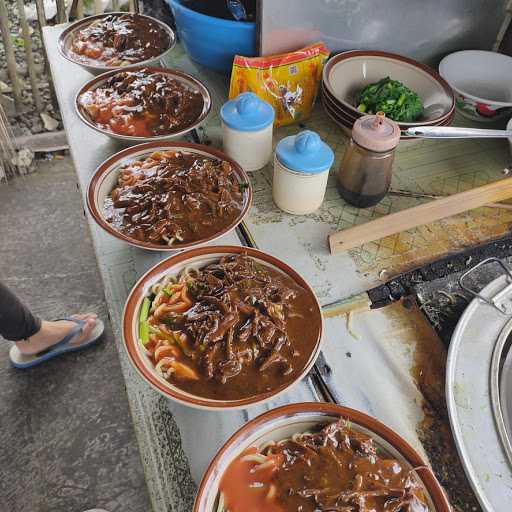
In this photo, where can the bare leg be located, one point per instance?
(32, 335)
(52, 332)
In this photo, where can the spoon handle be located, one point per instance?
(448, 132)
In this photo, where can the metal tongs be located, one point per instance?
(446, 132)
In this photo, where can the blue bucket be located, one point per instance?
(213, 42)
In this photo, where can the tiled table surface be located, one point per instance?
(177, 442)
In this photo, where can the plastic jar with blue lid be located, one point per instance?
(301, 170)
(247, 122)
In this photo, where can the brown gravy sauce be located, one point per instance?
(336, 469)
(173, 197)
(118, 40)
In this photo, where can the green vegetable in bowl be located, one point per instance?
(393, 98)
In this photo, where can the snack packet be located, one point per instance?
(288, 81)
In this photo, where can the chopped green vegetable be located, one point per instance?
(161, 334)
(393, 98)
(168, 292)
(243, 186)
(143, 324)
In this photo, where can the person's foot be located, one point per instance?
(52, 332)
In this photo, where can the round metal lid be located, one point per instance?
(477, 341)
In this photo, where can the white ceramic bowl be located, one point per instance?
(106, 175)
(201, 257)
(283, 422)
(345, 74)
(482, 82)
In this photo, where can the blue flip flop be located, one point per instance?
(20, 360)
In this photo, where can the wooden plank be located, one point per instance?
(420, 215)
(41, 15)
(134, 6)
(43, 142)
(62, 15)
(36, 95)
(98, 6)
(9, 55)
(80, 9)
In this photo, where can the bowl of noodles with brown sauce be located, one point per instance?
(318, 457)
(222, 327)
(114, 40)
(143, 104)
(169, 196)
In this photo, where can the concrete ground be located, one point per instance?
(66, 438)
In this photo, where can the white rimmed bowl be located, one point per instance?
(347, 73)
(482, 82)
(283, 422)
(105, 178)
(198, 258)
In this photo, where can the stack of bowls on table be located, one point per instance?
(347, 73)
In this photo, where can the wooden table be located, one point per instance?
(384, 345)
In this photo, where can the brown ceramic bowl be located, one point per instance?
(201, 257)
(105, 178)
(346, 123)
(345, 74)
(67, 36)
(283, 422)
(350, 116)
(188, 80)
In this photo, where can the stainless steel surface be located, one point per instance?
(506, 392)
(422, 30)
(468, 396)
(502, 300)
(450, 132)
(496, 361)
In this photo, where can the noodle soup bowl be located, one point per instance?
(286, 421)
(95, 67)
(106, 176)
(198, 258)
(185, 79)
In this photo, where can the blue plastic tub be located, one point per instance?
(213, 42)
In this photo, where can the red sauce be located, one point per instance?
(246, 489)
(335, 469)
(142, 104)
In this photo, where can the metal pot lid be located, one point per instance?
(505, 392)
(474, 375)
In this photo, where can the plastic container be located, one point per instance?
(213, 42)
(365, 172)
(301, 170)
(247, 123)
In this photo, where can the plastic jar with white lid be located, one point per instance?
(301, 170)
(247, 123)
